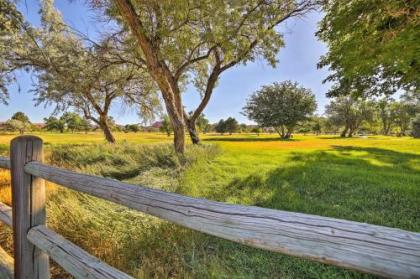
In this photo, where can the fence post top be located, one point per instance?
(25, 138)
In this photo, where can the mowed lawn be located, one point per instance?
(371, 179)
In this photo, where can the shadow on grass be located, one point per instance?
(328, 183)
(247, 139)
(400, 159)
(337, 185)
(341, 183)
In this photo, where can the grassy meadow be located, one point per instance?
(371, 179)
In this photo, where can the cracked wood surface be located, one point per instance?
(70, 257)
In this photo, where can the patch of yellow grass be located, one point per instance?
(5, 191)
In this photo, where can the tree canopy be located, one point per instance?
(75, 72)
(281, 106)
(19, 121)
(373, 46)
(349, 112)
(21, 116)
(184, 42)
(11, 22)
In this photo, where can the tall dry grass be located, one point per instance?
(138, 244)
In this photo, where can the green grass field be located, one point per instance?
(371, 179)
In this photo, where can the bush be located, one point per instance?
(415, 127)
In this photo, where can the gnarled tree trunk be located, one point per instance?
(344, 132)
(103, 124)
(192, 130)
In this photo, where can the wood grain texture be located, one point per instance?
(4, 163)
(72, 258)
(28, 203)
(6, 214)
(374, 249)
(6, 265)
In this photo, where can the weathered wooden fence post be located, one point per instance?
(28, 201)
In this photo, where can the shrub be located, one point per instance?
(415, 127)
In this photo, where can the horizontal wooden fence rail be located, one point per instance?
(6, 261)
(369, 248)
(72, 258)
(6, 214)
(374, 249)
(4, 163)
(6, 265)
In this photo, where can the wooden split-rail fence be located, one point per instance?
(378, 250)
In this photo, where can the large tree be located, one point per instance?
(53, 123)
(350, 113)
(373, 45)
(231, 125)
(405, 110)
(281, 106)
(386, 114)
(196, 41)
(415, 126)
(76, 73)
(21, 117)
(19, 121)
(11, 22)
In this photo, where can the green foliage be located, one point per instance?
(17, 125)
(166, 126)
(280, 105)
(415, 127)
(350, 113)
(231, 125)
(404, 110)
(373, 45)
(183, 42)
(73, 72)
(172, 29)
(18, 122)
(10, 18)
(68, 121)
(131, 128)
(11, 22)
(74, 122)
(21, 117)
(203, 123)
(386, 114)
(318, 124)
(256, 130)
(220, 127)
(54, 124)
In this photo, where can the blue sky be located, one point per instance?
(297, 62)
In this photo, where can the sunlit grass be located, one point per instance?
(372, 179)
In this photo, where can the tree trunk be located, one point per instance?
(192, 130)
(344, 132)
(103, 123)
(281, 132)
(386, 127)
(351, 131)
(179, 138)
